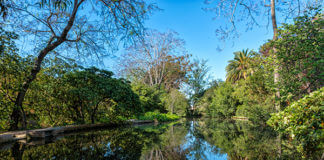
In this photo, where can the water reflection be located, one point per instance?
(191, 139)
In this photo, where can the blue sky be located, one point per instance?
(197, 28)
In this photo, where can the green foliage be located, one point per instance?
(161, 117)
(224, 103)
(239, 67)
(42, 105)
(175, 102)
(255, 96)
(114, 143)
(150, 97)
(92, 94)
(250, 98)
(204, 102)
(62, 93)
(153, 98)
(252, 92)
(240, 140)
(300, 52)
(13, 69)
(303, 121)
(75, 95)
(197, 80)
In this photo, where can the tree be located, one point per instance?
(92, 94)
(240, 67)
(176, 102)
(252, 13)
(197, 80)
(72, 28)
(207, 97)
(3, 8)
(300, 54)
(43, 104)
(224, 103)
(150, 97)
(255, 97)
(12, 69)
(158, 60)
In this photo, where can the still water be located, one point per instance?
(193, 139)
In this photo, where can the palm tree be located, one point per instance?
(240, 67)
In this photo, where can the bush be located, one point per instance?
(303, 122)
(150, 97)
(175, 102)
(256, 98)
(224, 104)
(161, 117)
(257, 114)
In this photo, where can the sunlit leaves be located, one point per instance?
(300, 54)
(303, 122)
(240, 67)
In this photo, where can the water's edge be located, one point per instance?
(57, 131)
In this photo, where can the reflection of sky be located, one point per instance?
(108, 151)
(200, 147)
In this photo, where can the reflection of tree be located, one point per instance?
(17, 151)
(198, 147)
(195, 147)
(170, 146)
(124, 143)
(165, 153)
(234, 140)
(242, 140)
(113, 144)
(198, 139)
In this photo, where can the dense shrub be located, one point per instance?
(175, 102)
(205, 101)
(150, 97)
(90, 94)
(224, 103)
(161, 117)
(255, 97)
(303, 122)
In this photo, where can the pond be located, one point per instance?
(185, 139)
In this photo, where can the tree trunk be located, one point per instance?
(18, 111)
(93, 114)
(275, 36)
(276, 69)
(274, 21)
